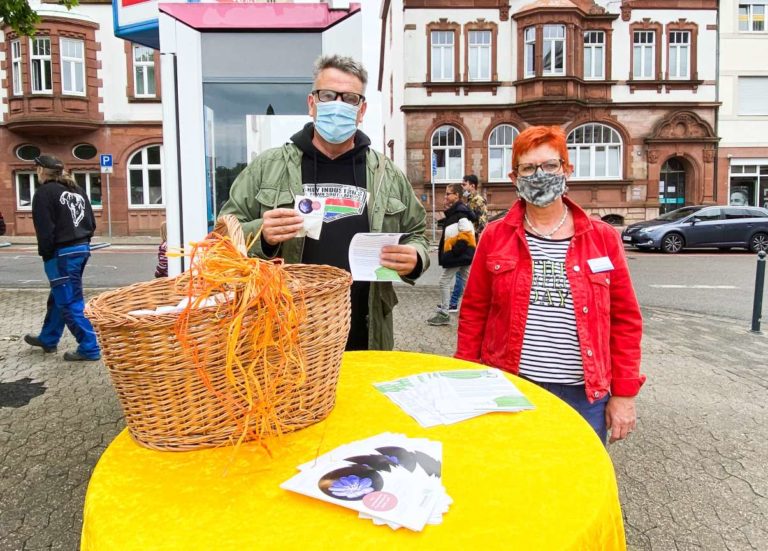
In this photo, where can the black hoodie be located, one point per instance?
(343, 182)
(62, 216)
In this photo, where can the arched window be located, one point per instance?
(145, 178)
(595, 151)
(500, 152)
(447, 154)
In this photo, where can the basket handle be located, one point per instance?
(229, 225)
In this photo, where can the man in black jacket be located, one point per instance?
(64, 224)
(456, 249)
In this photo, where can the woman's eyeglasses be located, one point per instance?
(332, 95)
(550, 167)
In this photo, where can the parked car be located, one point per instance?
(697, 227)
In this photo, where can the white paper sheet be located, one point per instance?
(364, 253)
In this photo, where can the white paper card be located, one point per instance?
(364, 253)
(602, 264)
(312, 209)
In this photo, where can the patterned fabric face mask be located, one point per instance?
(541, 189)
(336, 121)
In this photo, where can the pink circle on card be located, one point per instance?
(316, 205)
(380, 501)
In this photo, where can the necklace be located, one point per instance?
(553, 230)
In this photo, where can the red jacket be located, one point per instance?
(608, 320)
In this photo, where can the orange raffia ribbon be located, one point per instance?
(258, 319)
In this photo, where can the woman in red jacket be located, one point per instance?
(549, 295)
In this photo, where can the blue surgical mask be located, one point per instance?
(335, 121)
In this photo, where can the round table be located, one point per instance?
(537, 480)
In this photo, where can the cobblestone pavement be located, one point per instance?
(692, 476)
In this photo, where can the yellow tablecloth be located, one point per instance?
(534, 480)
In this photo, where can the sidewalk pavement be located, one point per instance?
(692, 476)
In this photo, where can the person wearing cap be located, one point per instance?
(64, 224)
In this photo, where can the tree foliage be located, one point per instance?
(21, 17)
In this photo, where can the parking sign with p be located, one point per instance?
(105, 160)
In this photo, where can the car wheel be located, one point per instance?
(672, 243)
(759, 242)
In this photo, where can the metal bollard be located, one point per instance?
(757, 306)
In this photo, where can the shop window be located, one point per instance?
(594, 55)
(553, 58)
(500, 152)
(145, 180)
(84, 151)
(530, 51)
(143, 72)
(40, 62)
(26, 184)
(27, 152)
(17, 86)
(91, 183)
(447, 154)
(479, 63)
(643, 54)
(752, 16)
(753, 92)
(72, 66)
(443, 55)
(595, 151)
(679, 55)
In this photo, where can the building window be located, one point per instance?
(752, 16)
(442, 55)
(84, 151)
(480, 55)
(595, 152)
(144, 72)
(145, 180)
(91, 183)
(26, 184)
(530, 51)
(643, 54)
(72, 66)
(447, 154)
(679, 54)
(27, 152)
(594, 55)
(553, 60)
(500, 152)
(41, 65)
(752, 94)
(18, 89)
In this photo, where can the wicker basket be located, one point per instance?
(166, 404)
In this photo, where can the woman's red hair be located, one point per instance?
(534, 136)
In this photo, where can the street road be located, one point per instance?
(712, 282)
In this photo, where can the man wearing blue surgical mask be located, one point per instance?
(363, 190)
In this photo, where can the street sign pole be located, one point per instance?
(109, 209)
(434, 173)
(105, 160)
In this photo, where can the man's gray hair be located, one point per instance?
(342, 63)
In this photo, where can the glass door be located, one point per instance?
(671, 186)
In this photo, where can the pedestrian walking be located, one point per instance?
(477, 204)
(456, 248)
(64, 224)
(331, 159)
(550, 296)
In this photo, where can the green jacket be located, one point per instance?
(273, 179)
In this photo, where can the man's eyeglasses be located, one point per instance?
(550, 167)
(332, 95)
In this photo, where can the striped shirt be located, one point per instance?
(551, 351)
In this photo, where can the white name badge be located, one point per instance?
(602, 264)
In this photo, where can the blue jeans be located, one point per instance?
(458, 289)
(65, 301)
(574, 396)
